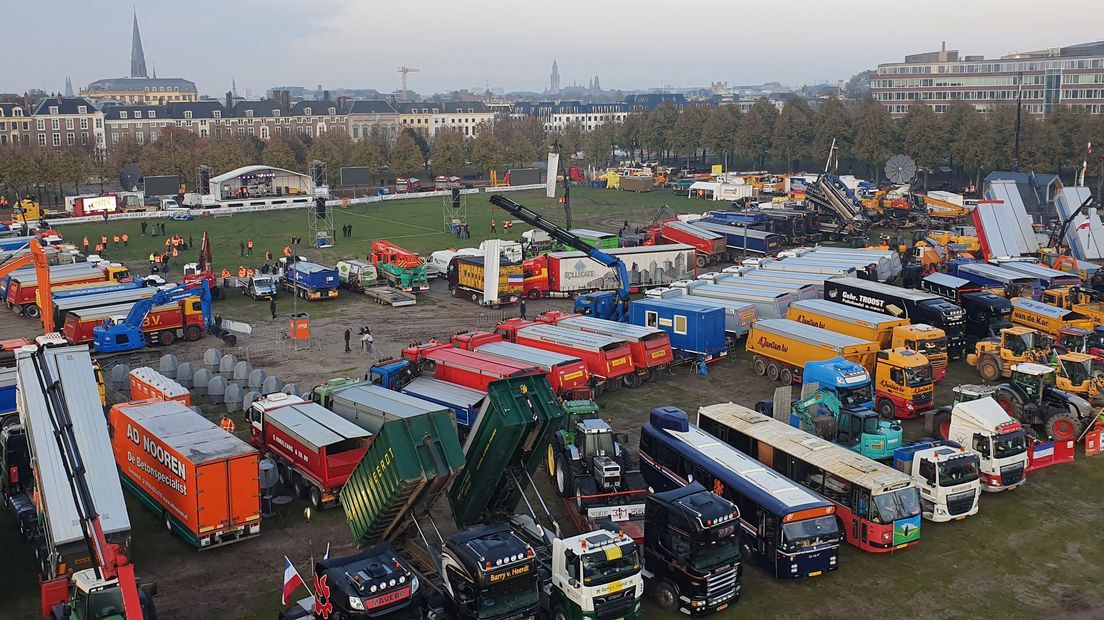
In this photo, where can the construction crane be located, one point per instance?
(611, 305)
(36, 256)
(128, 335)
(404, 70)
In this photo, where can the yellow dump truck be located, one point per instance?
(1045, 317)
(467, 278)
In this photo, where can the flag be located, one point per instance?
(292, 581)
(1083, 226)
(515, 278)
(327, 556)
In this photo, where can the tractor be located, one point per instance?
(995, 358)
(1032, 398)
(1075, 374)
(587, 459)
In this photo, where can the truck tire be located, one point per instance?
(1062, 426)
(565, 482)
(772, 371)
(700, 261)
(758, 366)
(31, 311)
(192, 332)
(1011, 404)
(989, 369)
(315, 497)
(942, 424)
(550, 460)
(298, 486)
(533, 294)
(785, 376)
(558, 613)
(613, 386)
(665, 596)
(166, 337)
(631, 380)
(886, 409)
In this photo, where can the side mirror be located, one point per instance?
(149, 589)
(574, 583)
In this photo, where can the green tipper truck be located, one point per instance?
(505, 445)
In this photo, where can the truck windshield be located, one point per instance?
(918, 376)
(722, 549)
(899, 504)
(855, 396)
(809, 533)
(104, 604)
(597, 570)
(504, 597)
(598, 444)
(958, 471)
(932, 347)
(1009, 444)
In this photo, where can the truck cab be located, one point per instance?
(15, 459)
(595, 575)
(986, 315)
(373, 583)
(947, 475)
(92, 598)
(931, 341)
(977, 421)
(848, 381)
(903, 383)
(489, 571)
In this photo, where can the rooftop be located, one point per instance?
(139, 84)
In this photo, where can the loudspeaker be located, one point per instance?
(456, 198)
(318, 173)
(204, 180)
(320, 208)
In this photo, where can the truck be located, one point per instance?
(888, 261)
(356, 275)
(696, 332)
(1012, 283)
(401, 269)
(650, 346)
(1046, 318)
(947, 475)
(738, 316)
(65, 305)
(902, 378)
(889, 332)
(741, 240)
(567, 374)
(709, 246)
(467, 275)
(816, 280)
(149, 322)
(89, 205)
(310, 281)
(707, 527)
(569, 274)
(200, 480)
(21, 292)
(768, 304)
(467, 368)
(977, 421)
(315, 450)
(916, 306)
(258, 287)
(464, 403)
(164, 324)
(801, 291)
(608, 360)
(986, 313)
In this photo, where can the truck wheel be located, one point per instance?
(166, 337)
(613, 386)
(297, 485)
(533, 294)
(700, 260)
(551, 462)
(785, 376)
(565, 484)
(192, 332)
(631, 380)
(558, 613)
(758, 366)
(166, 521)
(32, 311)
(453, 291)
(772, 371)
(989, 369)
(1062, 426)
(315, 497)
(474, 298)
(942, 424)
(886, 409)
(665, 597)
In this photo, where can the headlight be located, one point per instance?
(414, 585)
(356, 603)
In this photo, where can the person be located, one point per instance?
(249, 248)
(494, 226)
(272, 306)
(268, 256)
(366, 339)
(126, 240)
(226, 423)
(287, 250)
(241, 246)
(348, 335)
(190, 244)
(103, 240)
(350, 231)
(162, 228)
(225, 277)
(145, 225)
(99, 248)
(521, 307)
(152, 262)
(175, 252)
(85, 244)
(115, 240)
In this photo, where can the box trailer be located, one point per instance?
(633, 183)
(800, 290)
(695, 331)
(466, 278)
(864, 268)
(768, 304)
(567, 374)
(315, 449)
(1049, 278)
(846, 320)
(608, 360)
(799, 266)
(1014, 283)
(462, 402)
(650, 346)
(472, 369)
(564, 274)
(310, 281)
(889, 261)
(743, 240)
(813, 279)
(738, 315)
(148, 384)
(709, 246)
(792, 344)
(203, 482)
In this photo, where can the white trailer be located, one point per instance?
(768, 305)
(802, 291)
(797, 265)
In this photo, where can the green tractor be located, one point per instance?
(857, 428)
(586, 458)
(1031, 397)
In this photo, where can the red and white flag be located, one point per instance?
(292, 581)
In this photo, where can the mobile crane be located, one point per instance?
(128, 335)
(611, 305)
(37, 257)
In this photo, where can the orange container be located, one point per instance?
(147, 383)
(300, 326)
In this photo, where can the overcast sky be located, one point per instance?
(463, 43)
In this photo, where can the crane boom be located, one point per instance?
(36, 256)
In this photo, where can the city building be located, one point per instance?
(428, 118)
(1042, 80)
(140, 88)
(65, 122)
(557, 116)
(375, 117)
(15, 127)
(554, 79)
(142, 123)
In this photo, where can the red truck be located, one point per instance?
(474, 370)
(21, 293)
(566, 373)
(164, 325)
(650, 347)
(315, 449)
(710, 247)
(608, 360)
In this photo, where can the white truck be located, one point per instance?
(978, 422)
(947, 475)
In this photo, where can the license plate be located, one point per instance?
(723, 607)
(615, 587)
(815, 573)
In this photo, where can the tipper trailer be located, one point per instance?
(566, 373)
(608, 360)
(310, 281)
(650, 346)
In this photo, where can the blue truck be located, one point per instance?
(463, 402)
(737, 218)
(696, 331)
(310, 281)
(1014, 283)
(739, 238)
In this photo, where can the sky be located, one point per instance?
(511, 45)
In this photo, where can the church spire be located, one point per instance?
(68, 86)
(137, 56)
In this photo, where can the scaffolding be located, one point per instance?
(320, 222)
(454, 210)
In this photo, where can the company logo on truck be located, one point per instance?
(290, 448)
(808, 320)
(580, 270)
(516, 571)
(769, 344)
(863, 300)
(162, 456)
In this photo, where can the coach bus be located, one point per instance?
(793, 531)
(878, 506)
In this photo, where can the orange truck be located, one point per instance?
(202, 481)
(163, 326)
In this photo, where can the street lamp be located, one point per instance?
(310, 545)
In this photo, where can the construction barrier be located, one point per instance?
(1044, 454)
(1092, 441)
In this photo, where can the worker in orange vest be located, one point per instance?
(241, 271)
(126, 239)
(99, 248)
(226, 423)
(249, 248)
(287, 250)
(115, 240)
(103, 240)
(175, 252)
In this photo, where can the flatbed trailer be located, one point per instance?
(385, 295)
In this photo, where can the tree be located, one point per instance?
(832, 123)
(655, 132)
(971, 139)
(1068, 122)
(757, 130)
(628, 135)
(487, 152)
(598, 144)
(873, 137)
(367, 153)
(924, 137)
(858, 87)
(793, 131)
(520, 151)
(720, 129)
(448, 153)
(406, 157)
(74, 168)
(278, 154)
(333, 148)
(686, 132)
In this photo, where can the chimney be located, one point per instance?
(229, 101)
(944, 48)
(325, 95)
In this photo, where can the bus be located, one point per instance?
(878, 506)
(792, 530)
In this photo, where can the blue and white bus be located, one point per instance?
(793, 530)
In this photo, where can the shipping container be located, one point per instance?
(768, 305)
(738, 315)
(466, 278)
(607, 359)
(560, 274)
(505, 446)
(742, 240)
(203, 482)
(694, 331)
(565, 373)
(462, 402)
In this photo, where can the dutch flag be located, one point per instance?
(292, 581)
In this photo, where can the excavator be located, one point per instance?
(36, 256)
(859, 429)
